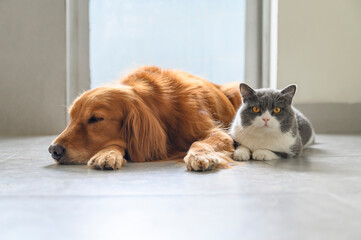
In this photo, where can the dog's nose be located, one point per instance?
(57, 151)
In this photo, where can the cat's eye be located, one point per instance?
(255, 109)
(277, 110)
(94, 119)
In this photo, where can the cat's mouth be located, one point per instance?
(267, 126)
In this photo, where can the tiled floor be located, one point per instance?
(316, 197)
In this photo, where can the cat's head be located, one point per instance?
(267, 109)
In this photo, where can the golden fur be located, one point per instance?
(152, 114)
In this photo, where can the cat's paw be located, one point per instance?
(263, 155)
(242, 154)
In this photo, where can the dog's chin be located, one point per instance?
(69, 161)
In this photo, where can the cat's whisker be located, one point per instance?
(246, 130)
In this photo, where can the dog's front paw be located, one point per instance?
(262, 154)
(107, 159)
(242, 154)
(201, 160)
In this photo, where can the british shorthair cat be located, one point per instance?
(268, 127)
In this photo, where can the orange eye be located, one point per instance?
(277, 110)
(255, 109)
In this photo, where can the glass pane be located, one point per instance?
(205, 38)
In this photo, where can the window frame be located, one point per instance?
(77, 49)
(260, 45)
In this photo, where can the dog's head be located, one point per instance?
(109, 117)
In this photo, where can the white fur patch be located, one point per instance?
(264, 155)
(257, 136)
(242, 154)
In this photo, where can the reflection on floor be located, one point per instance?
(315, 197)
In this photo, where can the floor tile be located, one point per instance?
(316, 196)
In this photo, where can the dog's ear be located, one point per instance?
(146, 139)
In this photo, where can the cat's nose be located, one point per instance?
(265, 119)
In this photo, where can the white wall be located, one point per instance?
(32, 66)
(319, 48)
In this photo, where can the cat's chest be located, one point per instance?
(274, 141)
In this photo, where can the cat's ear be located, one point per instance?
(246, 91)
(289, 91)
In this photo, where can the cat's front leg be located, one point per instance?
(263, 154)
(242, 154)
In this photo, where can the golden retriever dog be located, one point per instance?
(152, 114)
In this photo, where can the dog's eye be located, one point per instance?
(95, 119)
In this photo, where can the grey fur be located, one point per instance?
(304, 127)
(296, 149)
(290, 119)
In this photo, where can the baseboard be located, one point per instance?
(333, 117)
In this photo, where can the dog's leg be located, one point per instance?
(215, 150)
(108, 158)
